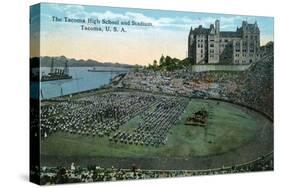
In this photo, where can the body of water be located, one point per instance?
(82, 80)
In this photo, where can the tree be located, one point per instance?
(155, 65)
(162, 60)
(136, 68)
(169, 64)
(155, 62)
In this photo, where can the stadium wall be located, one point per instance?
(205, 68)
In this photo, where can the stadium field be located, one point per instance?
(233, 135)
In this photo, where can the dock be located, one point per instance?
(111, 71)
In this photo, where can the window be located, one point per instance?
(212, 45)
(252, 47)
(225, 40)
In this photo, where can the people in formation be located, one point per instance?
(106, 114)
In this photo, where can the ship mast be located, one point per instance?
(66, 69)
(52, 66)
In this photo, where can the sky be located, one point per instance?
(168, 34)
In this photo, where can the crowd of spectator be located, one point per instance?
(253, 87)
(76, 174)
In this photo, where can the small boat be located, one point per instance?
(92, 70)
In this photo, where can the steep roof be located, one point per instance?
(200, 31)
(252, 27)
(228, 34)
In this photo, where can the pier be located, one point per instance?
(111, 71)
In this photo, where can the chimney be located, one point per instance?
(217, 26)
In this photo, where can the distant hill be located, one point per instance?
(60, 61)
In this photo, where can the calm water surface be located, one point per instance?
(82, 80)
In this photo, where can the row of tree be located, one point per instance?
(169, 64)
